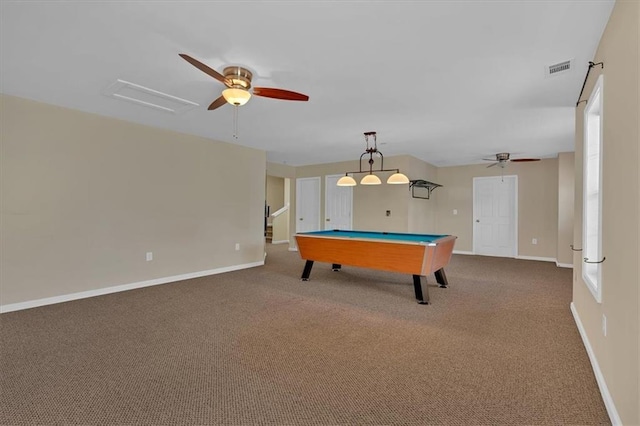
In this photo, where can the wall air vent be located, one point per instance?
(557, 69)
(144, 96)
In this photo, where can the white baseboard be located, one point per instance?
(124, 287)
(564, 265)
(541, 259)
(604, 391)
(293, 248)
(463, 252)
(280, 242)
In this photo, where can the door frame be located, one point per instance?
(515, 212)
(326, 185)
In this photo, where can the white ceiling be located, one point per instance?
(449, 82)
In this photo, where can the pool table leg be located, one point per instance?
(335, 267)
(441, 278)
(307, 270)
(417, 286)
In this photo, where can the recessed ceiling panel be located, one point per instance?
(145, 96)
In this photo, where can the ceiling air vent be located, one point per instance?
(559, 68)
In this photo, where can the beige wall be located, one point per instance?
(275, 194)
(566, 183)
(617, 355)
(281, 228)
(84, 197)
(281, 170)
(537, 204)
(422, 213)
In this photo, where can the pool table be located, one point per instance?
(415, 254)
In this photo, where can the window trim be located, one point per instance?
(595, 102)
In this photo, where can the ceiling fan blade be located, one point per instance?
(489, 159)
(491, 165)
(286, 95)
(206, 69)
(217, 103)
(522, 160)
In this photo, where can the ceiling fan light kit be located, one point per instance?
(239, 82)
(236, 96)
(371, 179)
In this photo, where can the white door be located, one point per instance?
(495, 216)
(338, 202)
(308, 204)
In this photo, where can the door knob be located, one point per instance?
(301, 219)
(478, 220)
(328, 220)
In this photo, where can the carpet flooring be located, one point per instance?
(261, 347)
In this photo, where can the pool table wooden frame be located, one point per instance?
(410, 257)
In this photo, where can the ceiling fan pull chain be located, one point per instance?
(235, 121)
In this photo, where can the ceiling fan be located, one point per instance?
(503, 157)
(238, 82)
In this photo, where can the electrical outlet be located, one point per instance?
(455, 212)
(388, 212)
(534, 241)
(604, 325)
(237, 246)
(149, 256)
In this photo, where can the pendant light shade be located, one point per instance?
(346, 180)
(370, 180)
(397, 179)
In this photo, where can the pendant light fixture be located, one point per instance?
(371, 179)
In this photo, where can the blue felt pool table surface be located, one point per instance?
(391, 236)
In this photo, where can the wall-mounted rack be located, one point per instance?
(420, 183)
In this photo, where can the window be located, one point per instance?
(592, 192)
